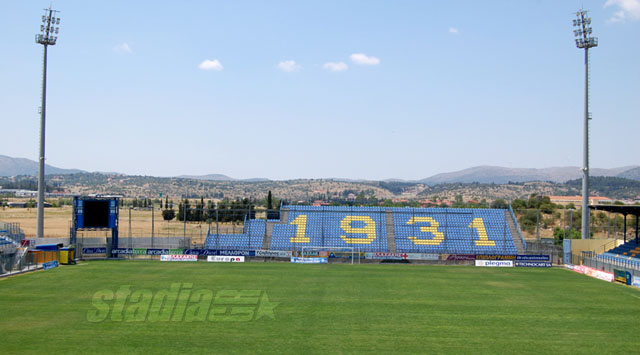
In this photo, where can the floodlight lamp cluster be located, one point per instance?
(49, 29)
(583, 31)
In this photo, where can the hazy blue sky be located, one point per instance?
(314, 89)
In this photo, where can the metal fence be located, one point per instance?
(13, 258)
(593, 261)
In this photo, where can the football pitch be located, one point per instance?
(164, 307)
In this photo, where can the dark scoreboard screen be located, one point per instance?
(96, 213)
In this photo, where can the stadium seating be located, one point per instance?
(360, 228)
(629, 249)
(423, 230)
(455, 231)
(625, 254)
(252, 238)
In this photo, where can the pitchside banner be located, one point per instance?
(347, 254)
(172, 257)
(495, 257)
(305, 260)
(602, 275)
(225, 259)
(50, 265)
(533, 263)
(461, 257)
(533, 257)
(273, 254)
(635, 282)
(94, 250)
(401, 256)
(494, 263)
(206, 252)
(145, 251)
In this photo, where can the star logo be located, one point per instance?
(265, 309)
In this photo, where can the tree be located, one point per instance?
(168, 214)
(269, 201)
(184, 211)
(499, 203)
(528, 220)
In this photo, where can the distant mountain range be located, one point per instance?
(219, 177)
(20, 166)
(501, 175)
(481, 174)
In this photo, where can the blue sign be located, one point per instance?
(220, 252)
(237, 252)
(306, 260)
(50, 265)
(94, 250)
(533, 263)
(495, 257)
(200, 252)
(533, 257)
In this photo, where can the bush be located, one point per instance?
(499, 203)
(168, 214)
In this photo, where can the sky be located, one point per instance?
(319, 89)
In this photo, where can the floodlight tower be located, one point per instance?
(584, 40)
(47, 37)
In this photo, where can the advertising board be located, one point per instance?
(422, 256)
(225, 259)
(273, 254)
(220, 252)
(461, 257)
(602, 275)
(635, 282)
(533, 263)
(50, 265)
(306, 260)
(386, 256)
(494, 263)
(94, 250)
(579, 269)
(533, 257)
(347, 254)
(495, 257)
(174, 257)
(237, 252)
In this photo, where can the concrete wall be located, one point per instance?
(595, 245)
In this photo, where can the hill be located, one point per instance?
(501, 175)
(633, 174)
(20, 166)
(610, 186)
(219, 177)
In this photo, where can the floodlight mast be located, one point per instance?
(47, 37)
(585, 40)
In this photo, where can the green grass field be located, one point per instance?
(320, 309)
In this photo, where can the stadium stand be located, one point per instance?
(424, 230)
(456, 231)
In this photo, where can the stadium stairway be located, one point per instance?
(284, 219)
(391, 235)
(514, 232)
(267, 235)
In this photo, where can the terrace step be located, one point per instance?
(391, 235)
(514, 232)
